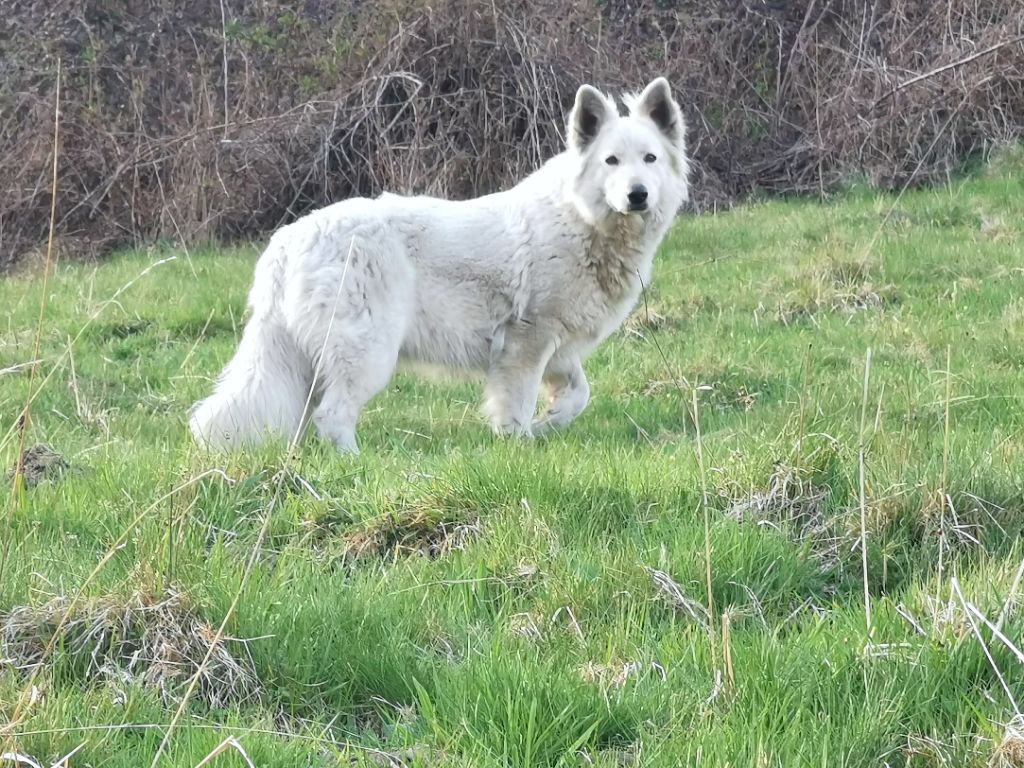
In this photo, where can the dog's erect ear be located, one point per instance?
(589, 113)
(656, 102)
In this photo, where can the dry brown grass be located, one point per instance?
(795, 505)
(649, 316)
(840, 285)
(155, 641)
(672, 593)
(40, 462)
(410, 532)
(1009, 753)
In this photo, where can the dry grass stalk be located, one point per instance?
(18, 758)
(229, 743)
(862, 490)
(670, 591)
(955, 584)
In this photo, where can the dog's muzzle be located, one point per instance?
(637, 198)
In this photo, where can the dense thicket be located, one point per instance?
(203, 120)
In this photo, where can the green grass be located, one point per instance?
(464, 601)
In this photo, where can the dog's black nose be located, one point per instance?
(637, 195)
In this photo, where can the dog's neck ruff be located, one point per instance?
(620, 251)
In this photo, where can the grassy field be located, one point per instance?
(629, 592)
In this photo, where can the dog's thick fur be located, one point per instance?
(521, 284)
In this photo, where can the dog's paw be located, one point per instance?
(513, 429)
(549, 422)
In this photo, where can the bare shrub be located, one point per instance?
(181, 124)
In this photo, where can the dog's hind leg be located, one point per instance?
(352, 315)
(353, 370)
(568, 390)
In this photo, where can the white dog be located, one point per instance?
(521, 284)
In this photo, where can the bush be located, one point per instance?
(200, 121)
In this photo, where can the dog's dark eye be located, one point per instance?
(649, 158)
(612, 160)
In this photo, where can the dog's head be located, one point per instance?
(632, 163)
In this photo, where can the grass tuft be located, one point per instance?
(410, 532)
(800, 507)
(1010, 751)
(842, 286)
(38, 463)
(126, 640)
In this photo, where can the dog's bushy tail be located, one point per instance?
(262, 392)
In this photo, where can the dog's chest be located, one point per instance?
(619, 261)
(617, 272)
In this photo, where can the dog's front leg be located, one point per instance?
(514, 378)
(568, 389)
